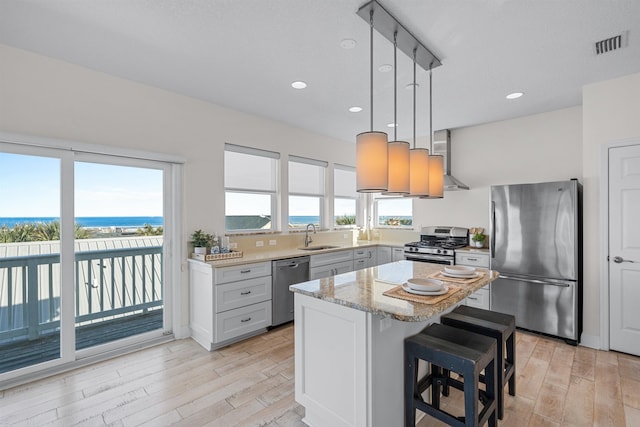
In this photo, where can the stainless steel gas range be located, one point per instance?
(437, 245)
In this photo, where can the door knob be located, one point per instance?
(618, 260)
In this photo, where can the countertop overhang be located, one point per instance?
(363, 290)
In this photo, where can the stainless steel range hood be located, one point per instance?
(442, 146)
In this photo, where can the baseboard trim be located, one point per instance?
(591, 341)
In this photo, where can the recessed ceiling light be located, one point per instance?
(355, 109)
(298, 85)
(385, 68)
(514, 95)
(392, 125)
(410, 86)
(348, 43)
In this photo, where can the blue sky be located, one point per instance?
(30, 187)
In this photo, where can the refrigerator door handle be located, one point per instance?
(493, 230)
(536, 281)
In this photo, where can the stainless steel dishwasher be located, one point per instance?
(286, 272)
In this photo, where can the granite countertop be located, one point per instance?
(277, 254)
(363, 290)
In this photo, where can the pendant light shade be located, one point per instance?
(419, 172)
(398, 167)
(371, 162)
(436, 176)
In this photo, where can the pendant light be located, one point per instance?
(418, 157)
(436, 162)
(398, 150)
(371, 147)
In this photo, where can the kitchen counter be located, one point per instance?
(349, 343)
(363, 290)
(276, 254)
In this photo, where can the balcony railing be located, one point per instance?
(109, 284)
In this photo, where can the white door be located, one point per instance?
(624, 248)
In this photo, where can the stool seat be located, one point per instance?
(499, 326)
(463, 352)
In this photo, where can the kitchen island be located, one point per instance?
(349, 342)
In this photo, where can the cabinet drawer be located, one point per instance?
(363, 253)
(330, 270)
(331, 258)
(479, 299)
(359, 264)
(475, 260)
(234, 323)
(245, 292)
(241, 272)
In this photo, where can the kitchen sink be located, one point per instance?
(318, 248)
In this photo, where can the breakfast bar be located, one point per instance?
(349, 334)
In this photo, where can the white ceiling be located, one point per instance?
(244, 54)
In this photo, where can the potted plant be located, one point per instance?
(478, 239)
(201, 241)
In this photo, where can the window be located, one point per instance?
(306, 191)
(250, 181)
(393, 211)
(345, 201)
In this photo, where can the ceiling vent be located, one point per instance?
(612, 43)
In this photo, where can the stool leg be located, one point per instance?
(445, 387)
(511, 358)
(471, 398)
(410, 380)
(500, 378)
(492, 390)
(436, 375)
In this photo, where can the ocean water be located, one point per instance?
(92, 221)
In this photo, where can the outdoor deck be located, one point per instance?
(118, 287)
(20, 354)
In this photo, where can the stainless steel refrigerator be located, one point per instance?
(536, 246)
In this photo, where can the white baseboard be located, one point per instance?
(591, 341)
(183, 332)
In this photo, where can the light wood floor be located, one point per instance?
(251, 384)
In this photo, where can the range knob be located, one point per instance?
(439, 251)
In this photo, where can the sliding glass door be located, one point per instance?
(83, 266)
(30, 275)
(118, 250)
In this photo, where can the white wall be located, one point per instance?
(610, 113)
(538, 148)
(47, 97)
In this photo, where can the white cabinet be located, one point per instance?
(397, 254)
(482, 297)
(228, 304)
(364, 258)
(330, 264)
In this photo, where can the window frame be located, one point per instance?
(240, 149)
(375, 217)
(322, 197)
(356, 197)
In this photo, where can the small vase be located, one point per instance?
(201, 250)
(478, 244)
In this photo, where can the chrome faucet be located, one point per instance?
(307, 238)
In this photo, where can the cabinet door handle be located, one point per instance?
(245, 271)
(472, 259)
(245, 320)
(245, 293)
(473, 298)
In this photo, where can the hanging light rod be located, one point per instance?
(387, 25)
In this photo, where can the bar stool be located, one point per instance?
(498, 326)
(453, 349)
